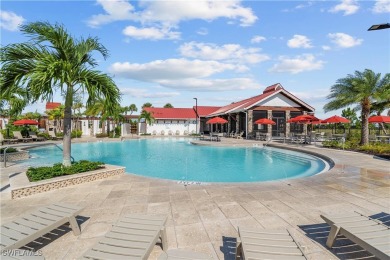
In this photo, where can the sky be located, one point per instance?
(217, 51)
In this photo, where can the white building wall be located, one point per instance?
(183, 127)
(278, 100)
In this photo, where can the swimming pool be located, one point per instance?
(178, 159)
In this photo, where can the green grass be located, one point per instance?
(43, 173)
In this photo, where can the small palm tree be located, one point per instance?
(54, 60)
(362, 88)
(149, 119)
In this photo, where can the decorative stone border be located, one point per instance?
(17, 156)
(22, 187)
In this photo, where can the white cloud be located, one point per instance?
(326, 48)
(171, 13)
(151, 33)
(227, 52)
(172, 69)
(381, 6)
(306, 62)
(196, 84)
(258, 39)
(347, 6)
(116, 10)
(143, 93)
(299, 41)
(343, 40)
(10, 21)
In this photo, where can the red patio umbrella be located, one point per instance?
(265, 121)
(217, 120)
(303, 119)
(336, 119)
(26, 122)
(379, 119)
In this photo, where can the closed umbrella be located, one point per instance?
(26, 122)
(265, 121)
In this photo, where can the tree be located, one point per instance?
(133, 108)
(350, 114)
(53, 60)
(147, 116)
(56, 114)
(147, 104)
(362, 88)
(168, 105)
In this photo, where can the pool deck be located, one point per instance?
(205, 217)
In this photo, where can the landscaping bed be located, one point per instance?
(381, 150)
(48, 172)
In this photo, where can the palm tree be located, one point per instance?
(98, 108)
(54, 60)
(132, 108)
(149, 119)
(362, 88)
(56, 115)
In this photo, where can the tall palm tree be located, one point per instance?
(54, 60)
(362, 88)
(149, 119)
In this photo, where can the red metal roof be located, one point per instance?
(249, 102)
(52, 105)
(205, 110)
(171, 113)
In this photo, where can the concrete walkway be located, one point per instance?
(205, 218)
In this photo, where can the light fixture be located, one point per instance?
(379, 26)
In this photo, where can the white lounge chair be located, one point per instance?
(132, 237)
(7, 140)
(162, 132)
(35, 137)
(268, 244)
(19, 137)
(29, 227)
(369, 233)
(177, 132)
(53, 136)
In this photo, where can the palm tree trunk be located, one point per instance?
(365, 115)
(67, 128)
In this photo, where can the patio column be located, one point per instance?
(237, 122)
(250, 122)
(269, 116)
(229, 124)
(305, 125)
(288, 117)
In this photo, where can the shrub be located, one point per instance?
(43, 173)
(9, 150)
(76, 134)
(101, 135)
(145, 134)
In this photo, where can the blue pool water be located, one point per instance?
(178, 159)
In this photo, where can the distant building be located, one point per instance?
(274, 103)
(176, 121)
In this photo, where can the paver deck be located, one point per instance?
(204, 218)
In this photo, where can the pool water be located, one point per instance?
(178, 159)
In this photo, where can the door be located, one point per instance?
(279, 127)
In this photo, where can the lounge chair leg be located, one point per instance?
(164, 240)
(74, 225)
(334, 231)
(238, 249)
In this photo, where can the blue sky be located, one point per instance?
(218, 51)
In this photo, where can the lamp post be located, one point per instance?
(196, 112)
(379, 26)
